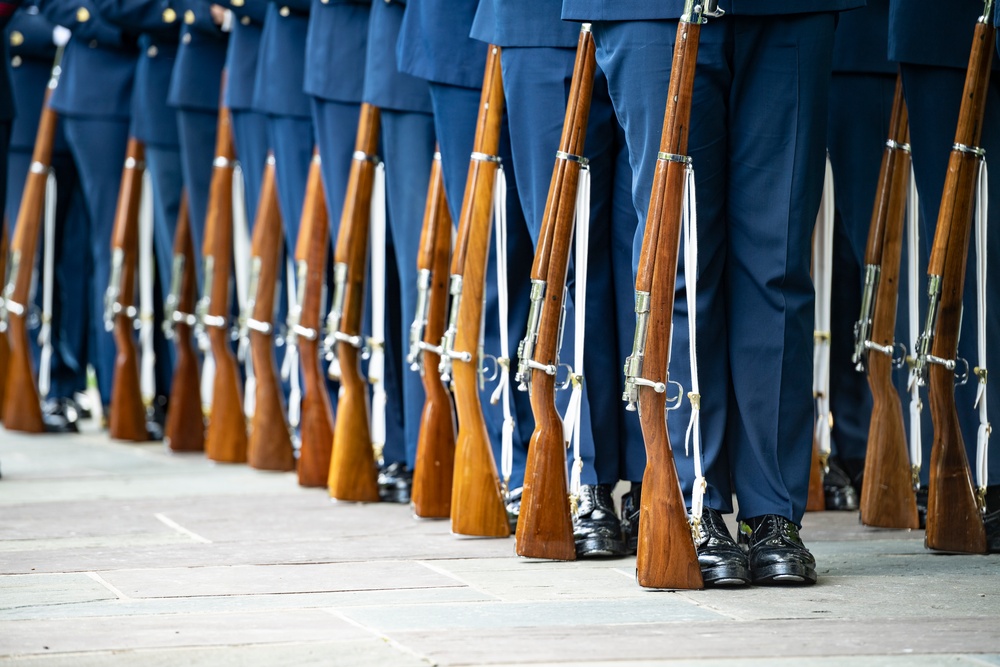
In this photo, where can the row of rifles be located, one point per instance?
(455, 473)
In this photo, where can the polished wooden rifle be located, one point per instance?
(666, 555)
(4, 346)
(545, 527)
(22, 408)
(477, 501)
(353, 470)
(269, 444)
(127, 419)
(887, 496)
(226, 438)
(954, 515)
(435, 465)
(316, 424)
(184, 430)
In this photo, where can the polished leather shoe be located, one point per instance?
(60, 415)
(394, 483)
(596, 529)
(838, 491)
(992, 524)
(921, 495)
(630, 517)
(513, 505)
(722, 562)
(775, 551)
(156, 418)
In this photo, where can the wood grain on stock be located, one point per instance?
(954, 522)
(127, 420)
(434, 469)
(545, 527)
(184, 430)
(887, 496)
(269, 443)
(22, 408)
(477, 504)
(353, 472)
(666, 555)
(316, 425)
(816, 500)
(4, 346)
(226, 438)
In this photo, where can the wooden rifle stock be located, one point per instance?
(353, 472)
(4, 346)
(477, 503)
(954, 519)
(316, 425)
(434, 469)
(22, 408)
(184, 430)
(666, 555)
(269, 444)
(887, 496)
(127, 420)
(545, 527)
(226, 438)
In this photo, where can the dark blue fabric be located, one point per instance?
(200, 58)
(434, 43)
(291, 138)
(250, 139)
(336, 126)
(335, 68)
(629, 10)
(523, 23)
(281, 64)
(197, 130)
(925, 32)
(241, 56)
(861, 43)
(35, 35)
(385, 86)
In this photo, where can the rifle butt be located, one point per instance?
(816, 501)
(544, 527)
(184, 430)
(887, 496)
(316, 430)
(353, 473)
(954, 522)
(226, 437)
(269, 444)
(477, 506)
(127, 420)
(22, 408)
(434, 469)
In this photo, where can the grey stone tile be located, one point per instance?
(838, 661)
(48, 590)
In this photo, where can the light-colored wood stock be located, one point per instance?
(477, 503)
(353, 472)
(434, 469)
(184, 430)
(316, 425)
(269, 443)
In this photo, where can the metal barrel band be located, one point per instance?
(259, 326)
(894, 145)
(485, 157)
(305, 332)
(437, 156)
(38, 168)
(132, 163)
(362, 156)
(971, 150)
(15, 307)
(563, 155)
(671, 157)
(353, 341)
(180, 317)
(214, 321)
(221, 161)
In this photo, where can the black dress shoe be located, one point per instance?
(992, 524)
(775, 551)
(59, 415)
(394, 483)
(722, 562)
(922, 507)
(596, 529)
(630, 517)
(156, 418)
(513, 504)
(838, 491)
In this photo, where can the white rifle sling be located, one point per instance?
(822, 265)
(376, 362)
(983, 433)
(48, 285)
(913, 316)
(242, 269)
(290, 364)
(501, 394)
(692, 437)
(147, 375)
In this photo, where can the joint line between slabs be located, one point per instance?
(170, 523)
(103, 582)
(452, 575)
(377, 634)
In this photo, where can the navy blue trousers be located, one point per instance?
(250, 137)
(197, 130)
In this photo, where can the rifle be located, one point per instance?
(21, 408)
(4, 346)
(545, 527)
(353, 472)
(269, 445)
(666, 555)
(954, 517)
(184, 430)
(226, 438)
(887, 496)
(127, 420)
(477, 502)
(435, 465)
(316, 425)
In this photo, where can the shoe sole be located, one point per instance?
(794, 574)
(725, 576)
(599, 547)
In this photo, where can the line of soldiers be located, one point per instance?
(776, 87)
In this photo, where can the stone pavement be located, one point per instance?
(121, 554)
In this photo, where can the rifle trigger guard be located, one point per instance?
(489, 362)
(567, 382)
(898, 360)
(675, 402)
(963, 377)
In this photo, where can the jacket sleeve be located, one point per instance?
(84, 20)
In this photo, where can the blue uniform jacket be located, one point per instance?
(335, 49)
(927, 32)
(241, 56)
(385, 86)
(279, 89)
(6, 95)
(861, 41)
(202, 55)
(434, 43)
(626, 10)
(31, 56)
(98, 65)
(524, 23)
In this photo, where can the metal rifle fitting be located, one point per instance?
(448, 341)
(336, 311)
(526, 348)
(419, 320)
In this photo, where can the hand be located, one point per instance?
(218, 14)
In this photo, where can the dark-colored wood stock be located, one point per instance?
(816, 500)
(887, 496)
(226, 438)
(353, 472)
(127, 420)
(666, 555)
(545, 527)
(477, 503)
(316, 424)
(22, 408)
(954, 520)
(269, 443)
(184, 430)
(4, 346)
(434, 469)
